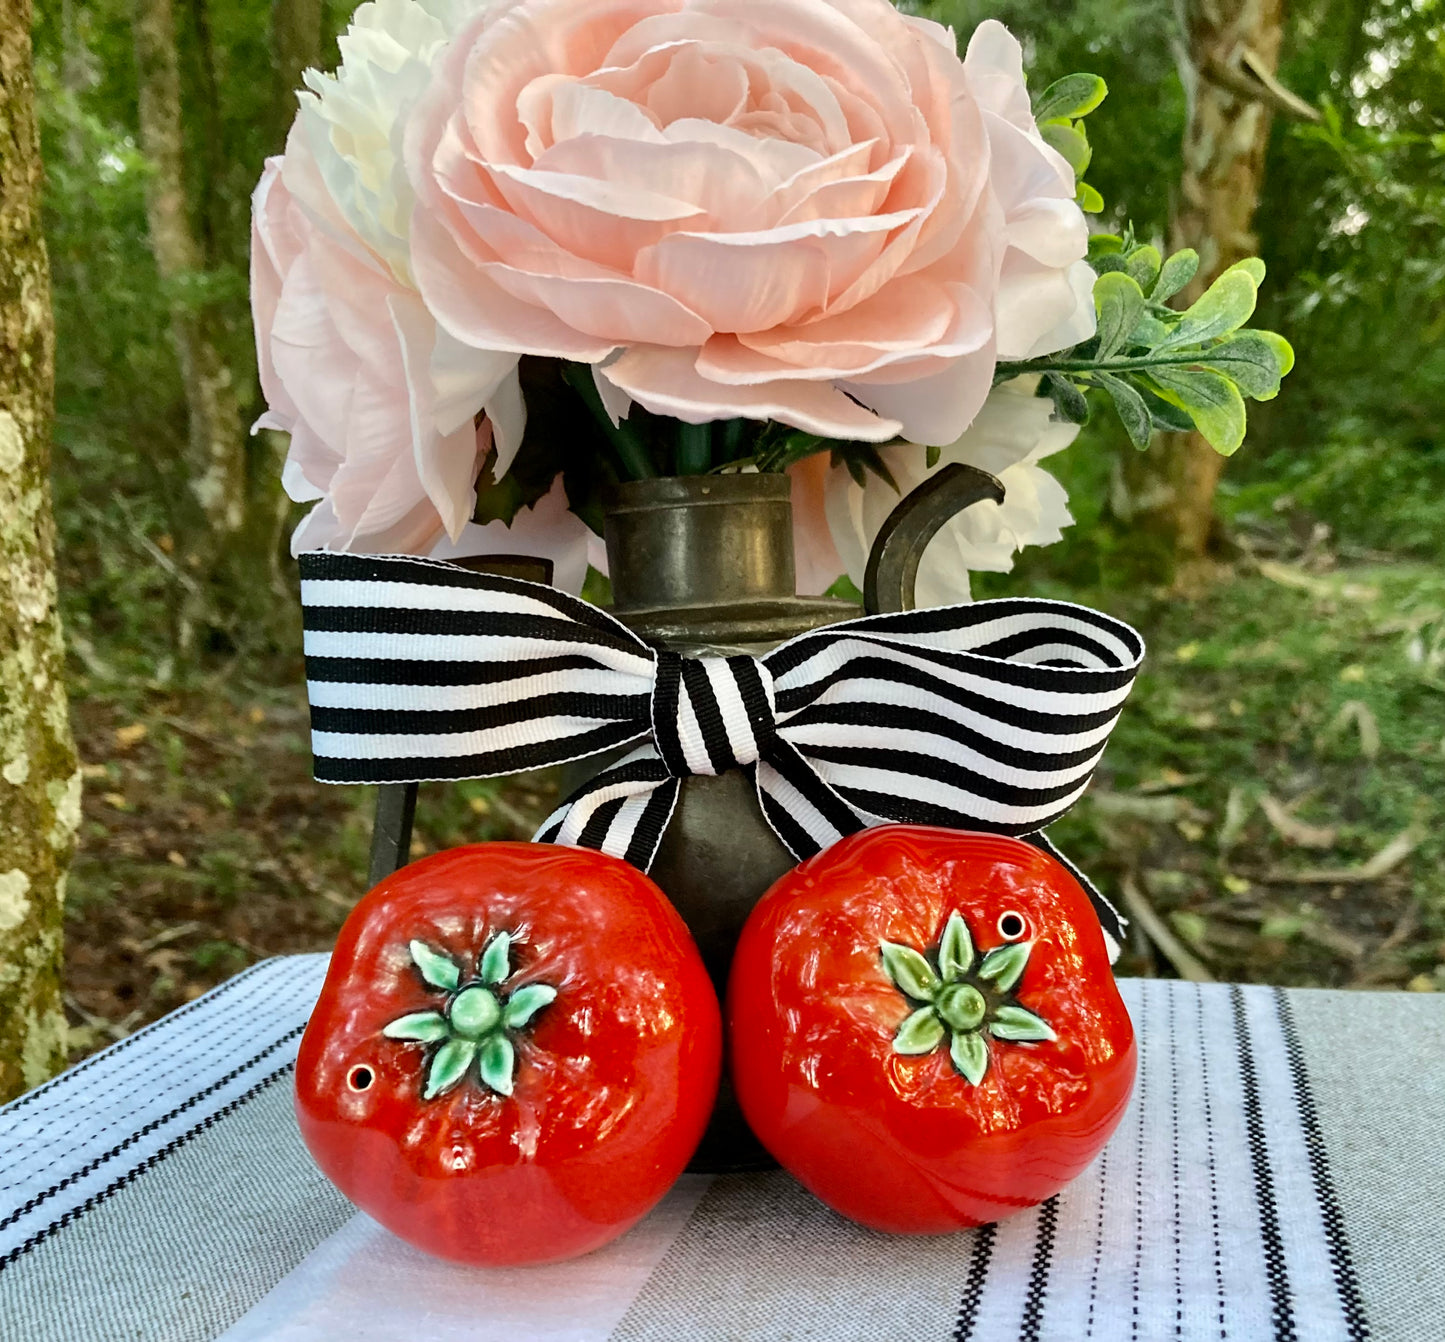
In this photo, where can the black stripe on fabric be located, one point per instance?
(324, 566)
(94, 1164)
(1038, 1288)
(1276, 1269)
(893, 673)
(890, 717)
(415, 671)
(1216, 1229)
(141, 1036)
(149, 1163)
(1143, 1032)
(666, 690)
(1342, 1265)
(1022, 675)
(1172, 1034)
(914, 811)
(1025, 640)
(973, 1285)
(609, 708)
(943, 619)
(599, 823)
(789, 762)
(1098, 1263)
(942, 770)
(703, 701)
(748, 674)
(648, 834)
(436, 768)
(792, 835)
(361, 621)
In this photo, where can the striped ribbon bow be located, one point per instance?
(989, 716)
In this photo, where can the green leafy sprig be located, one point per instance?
(1059, 112)
(1164, 368)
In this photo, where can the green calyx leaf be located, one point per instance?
(961, 1006)
(955, 949)
(910, 972)
(448, 1066)
(497, 958)
(1015, 1023)
(1004, 965)
(970, 1055)
(496, 1063)
(1072, 96)
(922, 1032)
(437, 969)
(424, 1027)
(525, 1003)
(1119, 303)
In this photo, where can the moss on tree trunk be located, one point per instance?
(39, 781)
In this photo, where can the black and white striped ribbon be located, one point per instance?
(990, 716)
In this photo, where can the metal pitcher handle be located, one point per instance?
(891, 578)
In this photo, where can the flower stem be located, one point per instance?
(1005, 371)
(694, 449)
(632, 453)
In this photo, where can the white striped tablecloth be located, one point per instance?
(1278, 1178)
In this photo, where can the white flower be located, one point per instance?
(353, 119)
(1011, 434)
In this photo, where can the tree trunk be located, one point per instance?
(217, 440)
(1168, 491)
(39, 781)
(295, 46)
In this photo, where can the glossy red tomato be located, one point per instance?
(514, 1055)
(925, 1029)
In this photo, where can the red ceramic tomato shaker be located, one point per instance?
(514, 1055)
(925, 1029)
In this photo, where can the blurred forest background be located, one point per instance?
(1271, 805)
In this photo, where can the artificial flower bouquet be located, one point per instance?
(519, 254)
(518, 249)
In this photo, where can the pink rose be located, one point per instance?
(382, 407)
(803, 210)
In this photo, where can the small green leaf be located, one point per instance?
(448, 1066)
(910, 972)
(1119, 302)
(1176, 272)
(922, 1032)
(1013, 1022)
(1072, 96)
(1169, 418)
(955, 949)
(1133, 413)
(932, 455)
(526, 1002)
(436, 968)
(424, 1026)
(1224, 307)
(1212, 400)
(1143, 266)
(1104, 244)
(1071, 142)
(1070, 404)
(497, 1062)
(1283, 350)
(1249, 362)
(1089, 200)
(497, 958)
(970, 1055)
(1253, 266)
(1004, 965)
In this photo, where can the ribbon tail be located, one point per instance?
(622, 812)
(802, 809)
(1111, 920)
